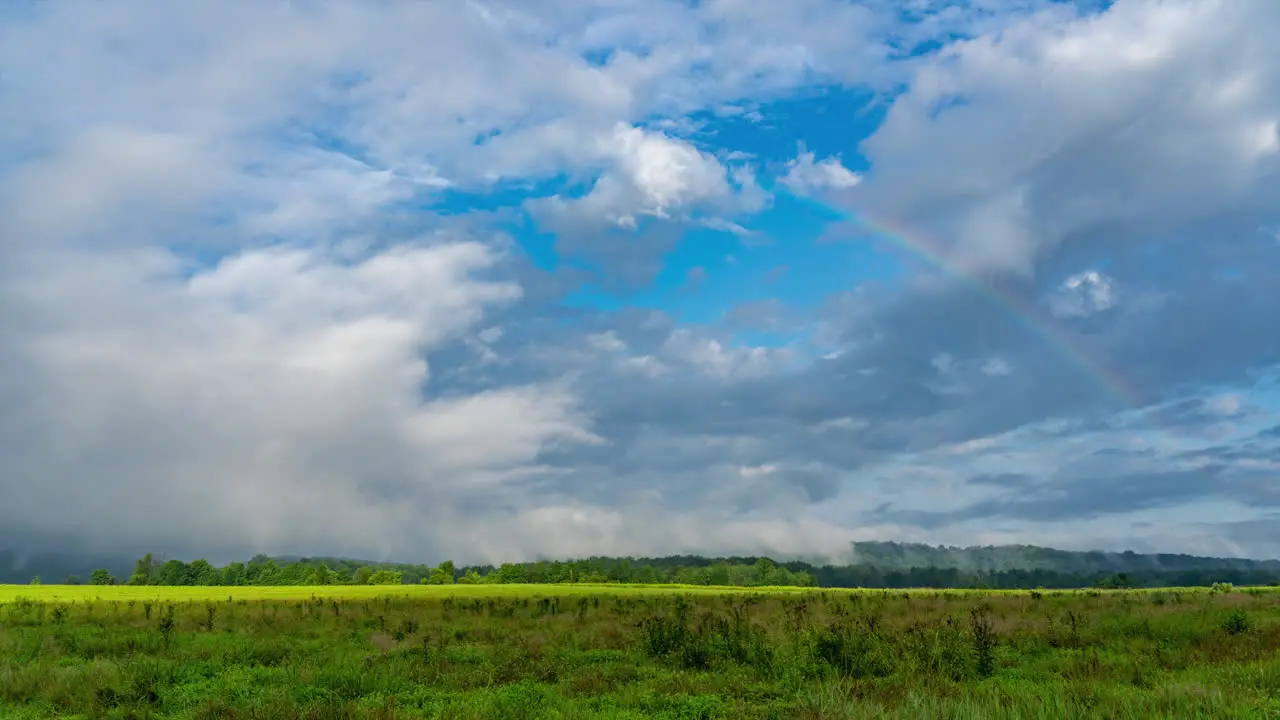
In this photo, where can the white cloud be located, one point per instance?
(274, 400)
(668, 173)
(661, 173)
(688, 349)
(996, 367)
(606, 342)
(711, 357)
(846, 424)
(1083, 294)
(277, 398)
(648, 174)
(321, 194)
(806, 177)
(645, 365)
(247, 103)
(1227, 404)
(1147, 116)
(564, 530)
(212, 323)
(109, 176)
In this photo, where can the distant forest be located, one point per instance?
(875, 565)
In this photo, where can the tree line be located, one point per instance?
(992, 558)
(687, 569)
(264, 570)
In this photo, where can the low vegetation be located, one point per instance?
(575, 651)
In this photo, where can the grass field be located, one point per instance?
(635, 652)
(117, 593)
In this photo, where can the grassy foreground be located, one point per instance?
(634, 652)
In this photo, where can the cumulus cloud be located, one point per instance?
(220, 323)
(667, 173)
(240, 309)
(652, 187)
(1064, 125)
(1083, 294)
(274, 399)
(712, 357)
(806, 177)
(648, 174)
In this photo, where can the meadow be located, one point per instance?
(565, 651)
(125, 593)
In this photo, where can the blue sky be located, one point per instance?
(495, 280)
(782, 251)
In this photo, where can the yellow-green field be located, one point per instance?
(615, 652)
(105, 593)
(85, 593)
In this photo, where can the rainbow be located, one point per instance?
(1032, 318)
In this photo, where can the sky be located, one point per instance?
(493, 281)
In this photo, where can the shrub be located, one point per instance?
(1236, 623)
(984, 641)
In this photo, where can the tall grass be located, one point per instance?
(617, 652)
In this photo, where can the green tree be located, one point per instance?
(718, 574)
(386, 577)
(511, 573)
(200, 572)
(323, 575)
(692, 576)
(143, 571)
(101, 576)
(764, 571)
(442, 575)
(362, 576)
(1116, 581)
(233, 574)
(266, 574)
(35, 580)
(171, 573)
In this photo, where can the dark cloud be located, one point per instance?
(1256, 532)
(1085, 498)
(1082, 498)
(889, 383)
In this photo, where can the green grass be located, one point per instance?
(635, 652)
(124, 593)
(68, 593)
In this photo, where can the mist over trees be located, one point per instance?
(993, 558)
(876, 564)
(264, 570)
